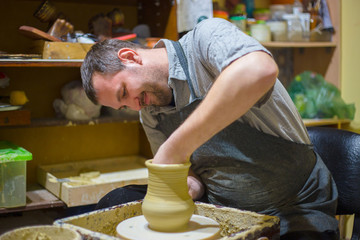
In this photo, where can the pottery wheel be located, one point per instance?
(137, 228)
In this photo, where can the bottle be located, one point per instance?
(250, 6)
(315, 19)
(238, 16)
(239, 21)
(297, 7)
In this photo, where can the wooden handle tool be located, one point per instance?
(35, 33)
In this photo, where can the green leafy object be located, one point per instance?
(316, 98)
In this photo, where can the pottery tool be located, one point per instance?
(127, 37)
(35, 33)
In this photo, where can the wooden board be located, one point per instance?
(19, 56)
(15, 118)
(114, 173)
(61, 50)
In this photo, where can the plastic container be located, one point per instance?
(278, 10)
(221, 14)
(239, 21)
(260, 31)
(13, 174)
(262, 14)
(278, 30)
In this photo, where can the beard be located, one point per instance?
(161, 94)
(156, 86)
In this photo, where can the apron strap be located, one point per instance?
(184, 64)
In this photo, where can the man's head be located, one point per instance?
(122, 74)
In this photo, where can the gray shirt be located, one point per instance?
(210, 47)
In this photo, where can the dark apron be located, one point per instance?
(244, 168)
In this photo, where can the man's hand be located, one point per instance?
(170, 154)
(196, 188)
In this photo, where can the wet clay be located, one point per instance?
(167, 205)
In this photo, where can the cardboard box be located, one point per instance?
(234, 223)
(13, 174)
(86, 182)
(61, 50)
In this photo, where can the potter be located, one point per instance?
(214, 95)
(167, 205)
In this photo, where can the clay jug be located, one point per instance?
(167, 205)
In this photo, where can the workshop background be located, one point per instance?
(55, 136)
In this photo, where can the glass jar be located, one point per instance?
(294, 27)
(278, 30)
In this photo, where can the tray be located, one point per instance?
(234, 223)
(86, 182)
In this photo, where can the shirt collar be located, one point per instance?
(177, 77)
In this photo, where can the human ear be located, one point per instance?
(127, 55)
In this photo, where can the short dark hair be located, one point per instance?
(102, 58)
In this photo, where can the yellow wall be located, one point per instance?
(350, 36)
(350, 78)
(60, 144)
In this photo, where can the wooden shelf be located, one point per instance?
(332, 122)
(112, 2)
(298, 44)
(36, 198)
(78, 62)
(44, 122)
(47, 122)
(40, 62)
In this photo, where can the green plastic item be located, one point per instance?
(10, 152)
(237, 18)
(261, 22)
(316, 98)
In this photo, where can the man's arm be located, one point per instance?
(234, 92)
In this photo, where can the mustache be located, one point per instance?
(142, 99)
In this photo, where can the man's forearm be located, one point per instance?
(235, 91)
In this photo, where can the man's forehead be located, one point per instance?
(102, 78)
(105, 90)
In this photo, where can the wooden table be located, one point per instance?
(36, 198)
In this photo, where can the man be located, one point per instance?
(214, 96)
